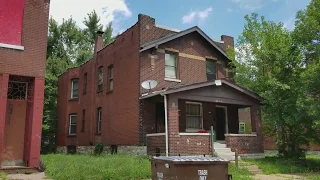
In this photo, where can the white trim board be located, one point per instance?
(10, 46)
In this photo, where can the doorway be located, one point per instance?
(160, 125)
(221, 122)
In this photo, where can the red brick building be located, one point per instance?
(103, 101)
(23, 42)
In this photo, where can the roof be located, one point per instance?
(204, 84)
(170, 37)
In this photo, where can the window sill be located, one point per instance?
(73, 99)
(10, 46)
(108, 92)
(173, 80)
(98, 134)
(72, 135)
(99, 91)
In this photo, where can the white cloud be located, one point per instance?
(109, 11)
(229, 10)
(289, 23)
(196, 15)
(252, 4)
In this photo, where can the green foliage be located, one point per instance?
(270, 62)
(106, 167)
(98, 149)
(239, 173)
(276, 165)
(68, 46)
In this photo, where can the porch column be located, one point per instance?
(34, 123)
(4, 79)
(173, 124)
(256, 118)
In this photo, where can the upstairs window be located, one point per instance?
(74, 88)
(193, 115)
(100, 78)
(99, 117)
(211, 69)
(85, 82)
(73, 124)
(110, 76)
(171, 65)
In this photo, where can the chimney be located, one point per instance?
(98, 45)
(228, 41)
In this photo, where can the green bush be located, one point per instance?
(98, 149)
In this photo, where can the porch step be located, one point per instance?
(223, 152)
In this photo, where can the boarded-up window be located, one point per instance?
(11, 20)
(193, 115)
(83, 120)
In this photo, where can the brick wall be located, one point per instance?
(32, 60)
(120, 108)
(245, 144)
(154, 142)
(191, 69)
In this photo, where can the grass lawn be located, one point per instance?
(3, 176)
(109, 167)
(274, 165)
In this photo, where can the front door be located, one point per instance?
(14, 133)
(220, 122)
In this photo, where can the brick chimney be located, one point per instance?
(98, 45)
(228, 41)
(147, 28)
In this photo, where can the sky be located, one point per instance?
(214, 17)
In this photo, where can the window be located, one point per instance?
(83, 120)
(194, 115)
(211, 67)
(74, 88)
(85, 82)
(171, 66)
(73, 124)
(110, 75)
(242, 127)
(100, 78)
(99, 117)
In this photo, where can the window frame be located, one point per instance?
(100, 79)
(176, 65)
(83, 121)
(85, 82)
(201, 116)
(216, 69)
(99, 119)
(110, 78)
(244, 127)
(70, 124)
(72, 88)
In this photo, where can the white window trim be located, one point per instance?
(174, 80)
(72, 87)
(244, 125)
(226, 117)
(72, 115)
(11, 46)
(201, 112)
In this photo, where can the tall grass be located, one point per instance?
(105, 167)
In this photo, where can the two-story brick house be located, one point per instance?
(103, 101)
(23, 42)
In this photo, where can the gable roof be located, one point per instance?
(171, 37)
(205, 84)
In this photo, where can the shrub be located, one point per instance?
(98, 149)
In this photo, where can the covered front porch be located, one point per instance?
(190, 111)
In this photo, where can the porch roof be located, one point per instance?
(204, 84)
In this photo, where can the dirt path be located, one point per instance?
(258, 174)
(35, 176)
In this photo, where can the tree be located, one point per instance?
(269, 63)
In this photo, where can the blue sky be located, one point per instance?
(214, 17)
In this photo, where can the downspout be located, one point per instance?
(166, 123)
